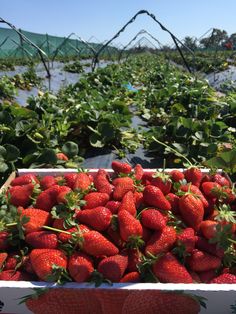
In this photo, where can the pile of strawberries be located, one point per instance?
(123, 226)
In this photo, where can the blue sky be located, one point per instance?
(103, 18)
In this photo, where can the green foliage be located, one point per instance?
(75, 67)
(7, 88)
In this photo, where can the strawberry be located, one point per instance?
(99, 218)
(25, 179)
(187, 239)
(168, 269)
(134, 259)
(130, 227)
(14, 275)
(62, 193)
(4, 235)
(221, 180)
(70, 179)
(192, 210)
(42, 240)
(224, 278)
(131, 277)
(193, 175)
(113, 267)
(62, 156)
(211, 248)
(114, 235)
(202, 261)
(3, 257)
(82, 181)
(48, 263)
(159, 302)
(121, 167)
(121, 187)
(128, 203)
(153, 196)
(47, 181)
(80, 267)
(64, 300)
(208, 228)
(45, 200)
(211, 189)
(161, 241)
(153, 219)
(113, 206)
(95, 244)
(37, 219)
(147, 177)
(207, 276)
(21, 195)
(162, 181)
(95, 199)
(64, 237)
(176, 175)
(173, 199)
(102, 183)
(11, 262)
(195, 190)
(138, 198)
(138, 172)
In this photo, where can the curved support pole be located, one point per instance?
(176, 41)
(41, 53)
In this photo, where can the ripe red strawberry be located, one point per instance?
(134, 259)
(14, 275)
(138, 198)
(224, 278)
(4, 240)
(192, 210)
(221, 180)
(42, 240)
(113, 267)
(82, 181)
(176, 175)
(131, 277)
(44, 260)
(187, 239)
(161, 241)
(21, 195)
(159, 302)
(128, 203)
(12, 260)
(173, 199)
(64, 237)
(47, 181)
(153, 219)
(95, 199)
(70, 179)
(193, 175)
(99, 218)
(102, 183)
(147, 177)
(62, 156)
(80, 267)
(211, 248)
(211, 189)
(162, 181)
(138, 172)
(113, 206)
(208, 228)
(195, 190)
(130, 227)
(202, 261)
(3, 257)
(37, 219)
(168, 269)
(45, 201)
(121, 167)
(207, 276)
(153, 196)
(25, 179)
(121, 187)
(95, 244)
(61, 196)
(114, 235)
